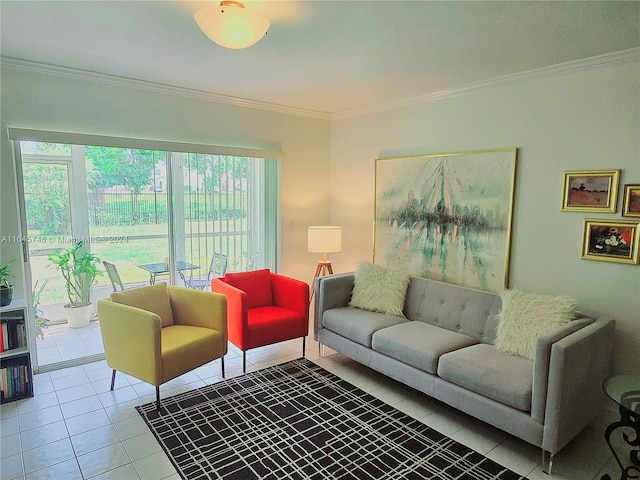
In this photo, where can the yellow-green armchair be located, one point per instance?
(160, 332)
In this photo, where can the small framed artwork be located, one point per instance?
(590, 191)
(631, 201)
(611, 240)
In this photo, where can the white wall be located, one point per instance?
(578, 120)
(63, 103)
(585, 119)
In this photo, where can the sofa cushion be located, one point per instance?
(494, 374)
(154, 298)
(357, 325)
(256, 284)
(527, 316)
(379, 289)
(418, 344)
(453, 307)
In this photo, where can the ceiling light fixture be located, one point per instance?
(231, 25)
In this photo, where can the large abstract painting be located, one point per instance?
(447, 216)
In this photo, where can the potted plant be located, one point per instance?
(6, 289)
(79, 269)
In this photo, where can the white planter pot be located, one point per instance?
(78, 317)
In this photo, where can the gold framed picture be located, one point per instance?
(590, 191)
(447, 216)
(631, 201)
(611, 240)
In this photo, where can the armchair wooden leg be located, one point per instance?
(222, 365)
(158, 398)
(113, 379)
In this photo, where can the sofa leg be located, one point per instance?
(547, 462)
(244, 362)
(304, 343)
(222, 365)
(113, 379)
(158, 398)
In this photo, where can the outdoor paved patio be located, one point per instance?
(61, 343)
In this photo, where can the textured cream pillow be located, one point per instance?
(379, 289)
(526, 316)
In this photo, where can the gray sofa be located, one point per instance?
(444, 348)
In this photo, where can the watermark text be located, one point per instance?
(43, 239)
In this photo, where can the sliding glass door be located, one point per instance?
(55, 212)
(219, 197)
(156, 215)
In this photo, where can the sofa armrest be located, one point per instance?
(332, 291)
(579, 364)
(542, 359)
(132, 340)
(237, 308)
(291, 294)
(199, 308)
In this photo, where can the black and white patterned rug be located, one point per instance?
(298, 421)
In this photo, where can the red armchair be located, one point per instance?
(263, 308)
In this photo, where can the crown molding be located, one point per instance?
(623, 56)
(60, 71)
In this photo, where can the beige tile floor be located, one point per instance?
(76, 428)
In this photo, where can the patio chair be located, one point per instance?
(112, 271)
(217, 268)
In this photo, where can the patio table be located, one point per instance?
(162, 268)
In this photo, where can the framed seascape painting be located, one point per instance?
(610, 241)
(631, 201)
(447, 216)
(590, 191)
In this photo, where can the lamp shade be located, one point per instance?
(324, 239)
(231, 25)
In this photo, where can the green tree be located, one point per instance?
(46, 148)
(111, 167)
(47, 198)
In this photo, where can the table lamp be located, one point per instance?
(323, 239)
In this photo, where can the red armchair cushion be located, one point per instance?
(256, 284)
(269, 325)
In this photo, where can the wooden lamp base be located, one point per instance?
(323, 268)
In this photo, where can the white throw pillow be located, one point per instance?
(380, 289)
(527, 316)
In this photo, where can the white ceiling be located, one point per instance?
(322, 56)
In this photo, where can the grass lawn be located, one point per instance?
(128, 247)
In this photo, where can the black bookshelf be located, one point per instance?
(16, 376)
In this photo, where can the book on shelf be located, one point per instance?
(14, 334)
(14, 381)
(5, 336)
